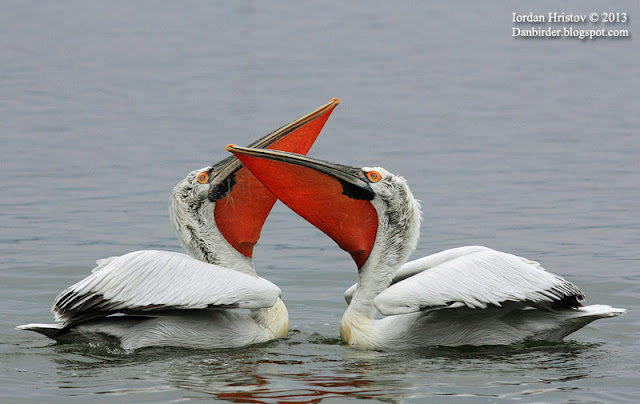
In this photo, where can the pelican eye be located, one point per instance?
(203, 177)
(374, 176)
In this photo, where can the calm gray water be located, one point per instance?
(524, 145)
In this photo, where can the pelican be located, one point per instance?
(161, 298)
(463, 296)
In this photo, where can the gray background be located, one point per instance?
(527, 146)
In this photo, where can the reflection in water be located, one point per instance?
(288, 373)
(316, 389)
(302, 371)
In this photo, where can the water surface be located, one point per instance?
(527, 146)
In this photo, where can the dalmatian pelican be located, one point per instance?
(463, 296)
(162, 298)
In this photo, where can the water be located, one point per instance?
(527, 146)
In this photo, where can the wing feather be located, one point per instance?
(413, 267)
(153, 280)
(475, 277)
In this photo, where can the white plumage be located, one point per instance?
(161, 298)
(211, 298)
(474, 278)
(464, 296)
(155, 280)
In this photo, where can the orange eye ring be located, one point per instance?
(203, 177)
(374, 176)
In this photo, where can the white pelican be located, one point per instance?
(161, 298)
(463, 296)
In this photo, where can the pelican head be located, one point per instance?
(370, 212)
(200, 216)
(218, 211)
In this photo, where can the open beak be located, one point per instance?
(335, 198)
(242, 202)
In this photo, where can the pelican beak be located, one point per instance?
(242, 203)
(333, 197)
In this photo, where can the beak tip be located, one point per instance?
(336, 100)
